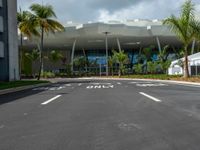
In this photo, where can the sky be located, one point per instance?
(83, 11)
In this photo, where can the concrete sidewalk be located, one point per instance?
(128, 79)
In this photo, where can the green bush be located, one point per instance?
(138, 68)
(48, 74)
(152, 67)
(165, 65)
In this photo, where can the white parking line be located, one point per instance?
(150, 97)
(118, 83)
(61, 87)
(50, 100)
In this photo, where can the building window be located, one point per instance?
(1, 24)
(1, 49)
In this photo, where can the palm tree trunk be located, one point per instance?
(41, 53)
(186, 68)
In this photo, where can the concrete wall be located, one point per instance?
(12, 40)
(9, 68)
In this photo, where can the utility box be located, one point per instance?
(1, 23)
(1, 49)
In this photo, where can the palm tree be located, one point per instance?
(80, 62)
(182, 27)
(120, 58)
(43, 15)
(33, 56)
(55, 56)
(196, 27)
(111, 62)
(27, 28)
(163, 54)
(163, 59)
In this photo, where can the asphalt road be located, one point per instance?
(102, 115)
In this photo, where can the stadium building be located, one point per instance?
(93, 39)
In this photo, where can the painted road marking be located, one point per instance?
(118, 83)
(79, 84)
(61, 87)
(50, 100)
(150, 97)
(68, 85)
(49, 88)
(151, 85)
(100, 83)
(99, 86)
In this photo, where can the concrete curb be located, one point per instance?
(11, 90)
(130, 79)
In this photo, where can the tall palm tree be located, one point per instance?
(27, 27)
(182, 28)
(44, 15)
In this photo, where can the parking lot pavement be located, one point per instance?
(102, 114)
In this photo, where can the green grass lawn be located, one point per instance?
(162, 77)
(13, 84)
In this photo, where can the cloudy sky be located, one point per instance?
(103, 10)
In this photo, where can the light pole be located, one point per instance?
(106, 34)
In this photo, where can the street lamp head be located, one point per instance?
(106, 32)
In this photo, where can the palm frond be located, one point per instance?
(43, 11)
(55, 25)
(187, 12)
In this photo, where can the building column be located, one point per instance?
(118, 44)
(72, 55)
(193, 46)
(158, 43)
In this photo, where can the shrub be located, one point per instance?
(48, 74)
(138, 68)
(151, 67)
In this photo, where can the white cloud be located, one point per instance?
(104, 10)
(156, 9)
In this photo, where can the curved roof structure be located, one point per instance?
(130, 34)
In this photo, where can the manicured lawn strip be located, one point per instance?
(153, 76)
(13, 84)
(163, 77)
